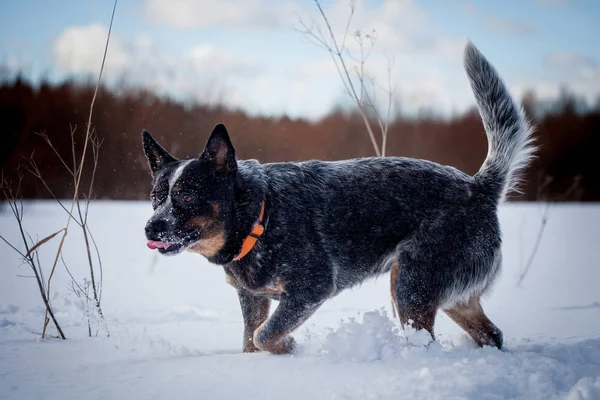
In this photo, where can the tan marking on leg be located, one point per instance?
(232, 281)
(471, 318)
(256, 320)
(273, 288)
(393, 275)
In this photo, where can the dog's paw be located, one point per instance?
(286, 345)
(250, 347)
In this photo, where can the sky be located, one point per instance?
(251, 54)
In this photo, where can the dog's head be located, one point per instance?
(192, 199)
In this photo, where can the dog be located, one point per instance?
(300, 233)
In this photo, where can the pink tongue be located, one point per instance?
(153, 245)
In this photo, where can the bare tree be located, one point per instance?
(352, 71)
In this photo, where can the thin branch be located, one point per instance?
(73, 280)
(319, 40)
(96, 144)
(35, 171)
(11, 246)
(536, 245)
(352, 9)
(545, 214)
(73, 154)
(99, 265)
(390, 93)
(85, 230)
(44, 136)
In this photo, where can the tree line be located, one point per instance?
(567, 132)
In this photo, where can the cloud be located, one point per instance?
(423, 71)
(499, 24)
(422, 61)
(399, 28)
(399, 25)
(210, 60)
(316, 68)
(542, 88)
(577, 64)
(80, 49)
(580, 73)
(202, 72)
(416, 82)
(188, 14)
(509, 27)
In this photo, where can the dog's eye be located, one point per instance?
(186, 197)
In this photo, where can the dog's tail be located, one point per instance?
(510, 145)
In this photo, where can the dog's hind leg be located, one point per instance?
(470, 317)
(418, 317)
(415, 303)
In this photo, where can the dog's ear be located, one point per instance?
(219, 151)
(157, 156)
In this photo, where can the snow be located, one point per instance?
(176, 328)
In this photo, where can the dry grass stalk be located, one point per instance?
(81, 219)
(77, 172)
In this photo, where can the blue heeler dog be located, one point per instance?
(302, 232)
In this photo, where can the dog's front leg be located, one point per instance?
(274, 334)
(255, 310)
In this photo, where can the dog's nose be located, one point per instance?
(154, 228)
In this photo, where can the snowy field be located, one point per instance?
(176, 327)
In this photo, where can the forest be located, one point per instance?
(567, 133)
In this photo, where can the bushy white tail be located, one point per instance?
(510, 145)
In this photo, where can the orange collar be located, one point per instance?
(252, 238)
